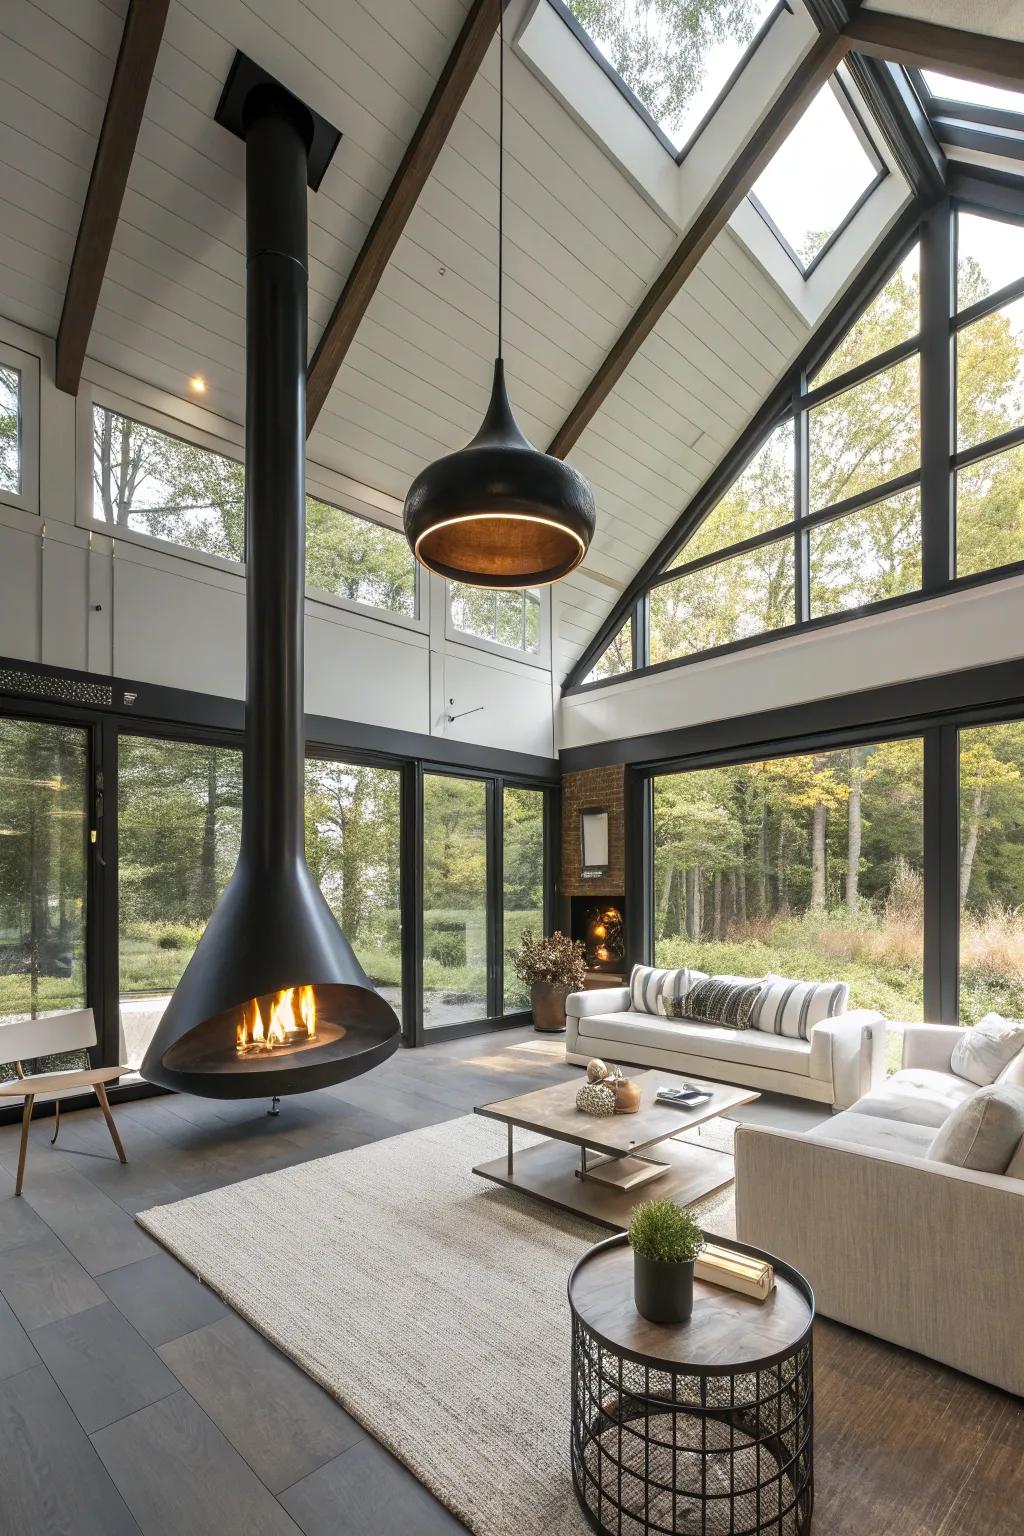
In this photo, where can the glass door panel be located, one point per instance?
(179, 812)
(992, 871)
(455, 868)
(44, 791)
(522, 882)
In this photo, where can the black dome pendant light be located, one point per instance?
(499, 513)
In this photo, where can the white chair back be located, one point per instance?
(24, 1039)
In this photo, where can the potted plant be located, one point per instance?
(665, 1240)
(552, 968)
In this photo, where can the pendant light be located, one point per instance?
(499, 513)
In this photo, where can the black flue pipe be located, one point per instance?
(272, 929)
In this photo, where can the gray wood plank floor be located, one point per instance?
(132, 1400)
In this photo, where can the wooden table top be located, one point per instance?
(727, 1332)
(552, 1111)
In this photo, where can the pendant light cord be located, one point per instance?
(501, 161)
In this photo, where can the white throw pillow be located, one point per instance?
(983, 1052)
(647, 984)
(983, 1132)
(792, 1008)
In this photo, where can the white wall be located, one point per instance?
(70, 596)
(970, 628)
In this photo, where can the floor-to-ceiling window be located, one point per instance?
(354, 849)
(179, 813)
(455, 905)
(522, 882)
(991, 872)
(806, 866)
(44, 797)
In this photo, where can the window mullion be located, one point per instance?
(801, 504)
(937, 512)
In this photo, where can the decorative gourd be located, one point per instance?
(595, 1099)
(596, 1070)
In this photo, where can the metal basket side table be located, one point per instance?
(704, 1429)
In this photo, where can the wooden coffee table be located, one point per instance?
(602, 1166)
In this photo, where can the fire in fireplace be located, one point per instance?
(274, 1000)
(598, 921)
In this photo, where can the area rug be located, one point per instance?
(430, 1304)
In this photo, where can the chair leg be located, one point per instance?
(26, 1119)
(101, 1094)
(56, 1122)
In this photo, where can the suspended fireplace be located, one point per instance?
(273, 1001)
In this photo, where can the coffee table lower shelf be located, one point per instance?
(550, 1171)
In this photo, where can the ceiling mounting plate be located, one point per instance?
(243, 76)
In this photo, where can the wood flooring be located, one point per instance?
(132, 1400)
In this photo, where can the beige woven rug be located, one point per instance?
(430, 1304)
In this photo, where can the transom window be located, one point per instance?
(818, 178)
(510, 619)
(150, 482)
(671, 58)
(618, 658)
(10, 429)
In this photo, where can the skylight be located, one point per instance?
(972, 94)
(674, 57)
(813, 183)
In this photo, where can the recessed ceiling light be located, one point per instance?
(197, 384)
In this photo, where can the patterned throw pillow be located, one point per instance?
(792, 1008)
(725, 1000)
(647, 984)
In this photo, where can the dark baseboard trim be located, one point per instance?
(463, 1031)
(896, 707)
(117, 1093)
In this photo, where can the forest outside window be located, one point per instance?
(10, 429)
(989, 394)
(671, 58)
(19, 429)
(509, 619)
(149, 482)
(618, 658)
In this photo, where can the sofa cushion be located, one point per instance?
(984, 1132)
(727, 1001)
(794, 1007)
(689, 1038)
(1013, 1072)
(874, 1132)
(916, 1096)
(1015, 1169)
(647, 984)
(983, 1052)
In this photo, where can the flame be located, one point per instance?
(291, 1013)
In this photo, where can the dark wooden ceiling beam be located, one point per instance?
(458, 74)
(731, 188)
(925, 45)
(129, 89)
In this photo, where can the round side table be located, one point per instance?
(701, 1428)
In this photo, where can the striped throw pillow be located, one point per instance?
(647, 983)
(792, 1008)
(725, 1000)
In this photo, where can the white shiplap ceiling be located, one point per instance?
(582, 246)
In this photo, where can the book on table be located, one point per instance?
(735, 1271)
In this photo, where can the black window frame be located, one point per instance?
(934, 230)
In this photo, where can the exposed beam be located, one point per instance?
(133, 73)
(924, 45)
(458, 74)
(729, 191)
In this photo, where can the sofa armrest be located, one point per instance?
(870, 1230)
(600, 1000)
(930, 1045)
(849, 1052)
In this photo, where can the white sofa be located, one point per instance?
(916, 1251)
(840, 1062)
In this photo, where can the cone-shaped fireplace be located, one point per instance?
(273, 1001)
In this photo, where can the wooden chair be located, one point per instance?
(52, 1036)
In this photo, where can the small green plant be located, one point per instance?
(558, 959)
(662, 1230)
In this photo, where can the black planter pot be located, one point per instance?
(663, 1292)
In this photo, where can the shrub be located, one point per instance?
(664, 1231)
(448, 949)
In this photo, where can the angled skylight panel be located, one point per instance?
(673, 58)
(816, 180)
(971, 93)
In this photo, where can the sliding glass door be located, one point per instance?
(44, 830)
(456, 941)
(522, 878)
(991, 871)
